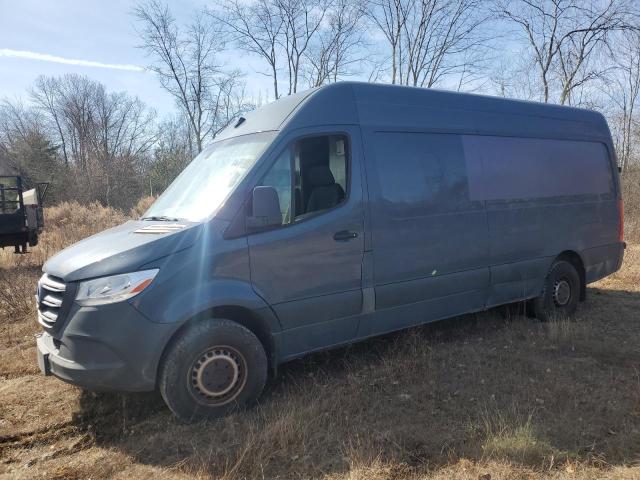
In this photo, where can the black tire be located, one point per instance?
(560, 293)
(214, 367)
(33, 239)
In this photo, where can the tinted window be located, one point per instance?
(525, 168)
(426, 170)
(320, 176)
(321, 167)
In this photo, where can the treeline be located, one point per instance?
(90, 144)
(95, 145)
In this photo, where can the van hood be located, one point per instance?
(122, 249)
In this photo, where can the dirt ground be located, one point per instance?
(495, 395)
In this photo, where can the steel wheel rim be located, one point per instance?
(217, 375)
(561, 292)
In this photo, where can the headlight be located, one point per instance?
(114, 289)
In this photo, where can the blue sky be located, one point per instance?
(97, 38)
(89, 31)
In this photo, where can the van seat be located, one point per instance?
(325, 192)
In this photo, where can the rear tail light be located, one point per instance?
(621, 220)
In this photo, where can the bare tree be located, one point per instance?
(302, 22)
(67, 104)
(172, 153)
(390, 16)
(305, 38)
(24, 146)
(623, 88)
(105, 136)
(338, 45)
(18, 121)
(122, 136)
(255, 28)
(445, 39)
(185, 63)
(430, 40)
(514, 78)
(31, 156)
(563, 35)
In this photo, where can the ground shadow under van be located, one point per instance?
(492, 385)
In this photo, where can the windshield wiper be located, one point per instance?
(161, 218)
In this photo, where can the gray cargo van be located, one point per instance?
(327, 217)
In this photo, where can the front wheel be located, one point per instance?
(215, 366)
(560, 294)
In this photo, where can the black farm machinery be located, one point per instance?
(21, 214)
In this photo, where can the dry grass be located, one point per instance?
(511, 436)
(477, 396)
(66, 224)
(631, 196)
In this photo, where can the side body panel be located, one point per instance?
(211, 272)
(430, 242)
(587, 226)
(543, 197)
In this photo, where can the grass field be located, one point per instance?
(495, 395)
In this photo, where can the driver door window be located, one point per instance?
(279, 177)
(310, 176)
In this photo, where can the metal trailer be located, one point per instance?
(21, 216)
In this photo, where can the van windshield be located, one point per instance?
(208, 180)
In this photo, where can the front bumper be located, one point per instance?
(110, 347)
(91, 376)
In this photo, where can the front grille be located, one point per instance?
(50, 296)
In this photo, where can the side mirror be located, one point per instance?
(265, 207)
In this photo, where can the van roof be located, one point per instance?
(393, 107)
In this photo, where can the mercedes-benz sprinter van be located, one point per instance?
(327, 217)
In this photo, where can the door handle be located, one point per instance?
(344, 235)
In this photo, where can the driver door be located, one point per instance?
(309, 268)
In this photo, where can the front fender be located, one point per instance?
(177, 309)
(201, 297)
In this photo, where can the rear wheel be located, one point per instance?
(560, 294)
(214, 367)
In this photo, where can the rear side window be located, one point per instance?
(528, 168)
(426, 172)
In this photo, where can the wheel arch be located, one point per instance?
(248, 318)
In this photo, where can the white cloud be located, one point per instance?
(7, 52)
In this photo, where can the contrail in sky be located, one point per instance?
(7, 52)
